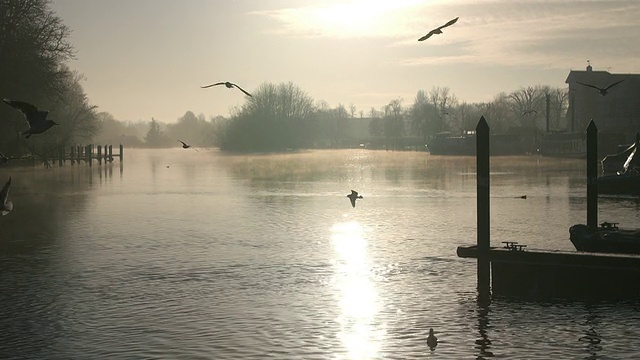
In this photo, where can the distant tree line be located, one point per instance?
(283, 116)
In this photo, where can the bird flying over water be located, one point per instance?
(438, 30)
(602, 91)
(6, 206)
(353, 196)
(527, 112)
(228, 85)
(37, 119)
(432, 340)
(184, 145)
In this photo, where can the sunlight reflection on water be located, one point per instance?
(358, 297)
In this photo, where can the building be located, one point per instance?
(616, 113)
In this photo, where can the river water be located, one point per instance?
(181, 254)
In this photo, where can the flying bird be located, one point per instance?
(353, 196)
(184, 145)
(532, 111)
(7, 206)
(432, 340)
(438, 30)
(228, 85)
(602, 91)
(37, 119)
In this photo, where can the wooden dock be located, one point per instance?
(514, 270)
(87, 153)
(564, 274)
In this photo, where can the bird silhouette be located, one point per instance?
(186, 146)
(432, 340)
(228, 85)
(602, 91)
(353, 196)
(527, 112)
(3, 159)
(37, 119)
(7, 206)
(438, 30)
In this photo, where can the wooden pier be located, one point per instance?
(87, 153)
(514, 270)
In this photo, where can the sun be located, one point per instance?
(356, 17)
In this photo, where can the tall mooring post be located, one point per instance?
(482, 168)
(592, 176)
(120, 154)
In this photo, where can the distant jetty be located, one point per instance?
(75, 154)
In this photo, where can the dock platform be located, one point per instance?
(557, 273)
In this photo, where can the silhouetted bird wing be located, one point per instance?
(589, 85)
(208, 86)
(427, 36)
(183, 143)
(614, 84)
(30, 112)
(354, 193)
(451, 22)
(241, 89)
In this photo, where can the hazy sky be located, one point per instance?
(148, 58)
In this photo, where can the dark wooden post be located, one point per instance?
(105, 154)
(99, 154)
(60, 155)
(548, 117)
(89, 155)
(592, 176)
(110, 152)
(482, 168)
(121, 152)
(71, 153)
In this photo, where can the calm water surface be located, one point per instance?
(200, 255)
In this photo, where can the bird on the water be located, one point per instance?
(7, 206)
(432, 340)
(37, 119)
(602, 91)
(438, 30)
(353, 196)
(228, 85)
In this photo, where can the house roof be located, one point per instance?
(597, 78)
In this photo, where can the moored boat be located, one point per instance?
(607, 238)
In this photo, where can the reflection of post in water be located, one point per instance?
(483, 343)
(592, 338)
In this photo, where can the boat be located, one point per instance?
(607, 238)
(564, 144)
(625, 158)
(446, 143)
(627, 183)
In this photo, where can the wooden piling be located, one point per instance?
(89, 154)
(592, 176)
(483, 207)
(110, 152)
(71, 154)
(99, 154)
(120, 154)
(60, 155)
